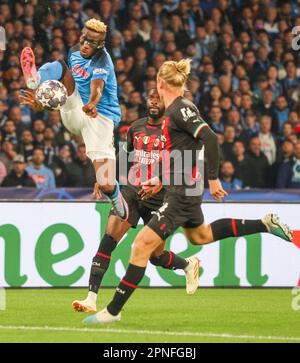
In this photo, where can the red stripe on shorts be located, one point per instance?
(233, 224)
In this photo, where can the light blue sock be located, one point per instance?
(119, 204)
(50, 71)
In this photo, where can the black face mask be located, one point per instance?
(94, 44)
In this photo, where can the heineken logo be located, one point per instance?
(52, 244)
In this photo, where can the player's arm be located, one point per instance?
(212, 154)
(97, 192)
(125, 157)
(97, 86)
(150, 188)
(190, 121)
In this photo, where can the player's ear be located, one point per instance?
(159, 83)
(101, 45)
(163, 84)
(101, 40)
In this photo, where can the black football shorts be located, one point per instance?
(177, 210)
(138, 208)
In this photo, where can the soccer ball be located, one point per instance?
(52, 95)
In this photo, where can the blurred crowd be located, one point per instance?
(245, 82)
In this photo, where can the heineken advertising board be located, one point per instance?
(52, 244)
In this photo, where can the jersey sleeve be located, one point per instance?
(101, 72)
(188, 119)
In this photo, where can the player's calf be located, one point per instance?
(99, 267)
(169, 260)
(108, 185)
(226, 227)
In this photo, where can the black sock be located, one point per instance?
(101, 262)
(226, 227)
(169, 260)
(132, 278)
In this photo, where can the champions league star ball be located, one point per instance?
(52, 95)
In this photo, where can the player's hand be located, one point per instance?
(28, 98)
(90, 109)
(150, 188)
(216, 189)
(97, 193)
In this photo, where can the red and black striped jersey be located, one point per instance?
(145, 143)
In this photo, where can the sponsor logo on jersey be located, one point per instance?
(187, 113)
(146, 157)
(77, 69)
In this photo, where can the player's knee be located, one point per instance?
(141, 248)
(198, 239)
(137, 252)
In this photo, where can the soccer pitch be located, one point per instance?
(154, 315)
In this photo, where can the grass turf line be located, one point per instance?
(254, 314)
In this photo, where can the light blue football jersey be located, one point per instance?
(100, 66)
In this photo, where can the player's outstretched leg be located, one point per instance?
(57, 70)
(27, 61)
(223, 228)
(101, 261)
(230, 227)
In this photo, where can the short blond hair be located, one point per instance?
(96, 25)
(175, 74)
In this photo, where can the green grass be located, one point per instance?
(251, 312)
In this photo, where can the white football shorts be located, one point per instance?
(97, 133)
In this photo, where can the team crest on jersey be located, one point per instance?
(156, 142)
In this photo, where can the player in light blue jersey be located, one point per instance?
(92, 108)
